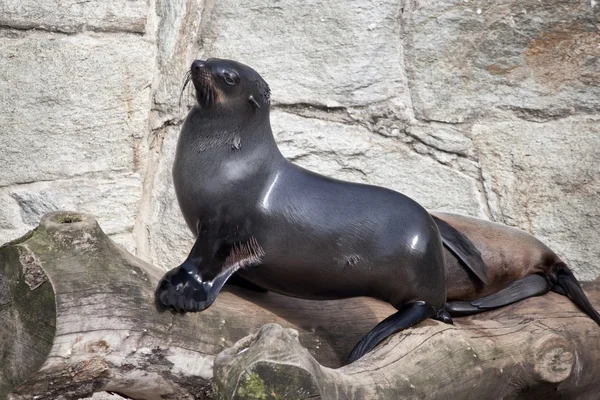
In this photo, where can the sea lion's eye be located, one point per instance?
(230, 78)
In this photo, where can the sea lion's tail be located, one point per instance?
(566, 284)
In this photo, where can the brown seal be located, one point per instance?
(518, 266)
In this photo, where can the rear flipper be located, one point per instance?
(528, 286)
(567, 284)
(408, 315)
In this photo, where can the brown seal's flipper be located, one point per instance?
(567, 284)
(557, 289)
(408, 315)
(528, 286)
(461, 308)
(462, 248)
(511, 255)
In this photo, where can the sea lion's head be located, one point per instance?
(228, 86)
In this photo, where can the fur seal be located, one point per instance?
(517, 264)
(287, 229)
(273, 225)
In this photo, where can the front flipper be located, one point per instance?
(195, 284)
(408, 315)
(460, 245)
(179, 289)
(528, 286)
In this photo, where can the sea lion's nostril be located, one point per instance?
(197, 65)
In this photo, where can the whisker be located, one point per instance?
(186, 80)
(189, 96)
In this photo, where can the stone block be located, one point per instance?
(544, 178)
(112, 198)
(472, 58)
(75, 16)
(72, 105)
(335, 53)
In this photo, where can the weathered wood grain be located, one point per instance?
(78, 317)
(101, 331)
(540, 348)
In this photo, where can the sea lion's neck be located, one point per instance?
(214, 140)
(211, 130)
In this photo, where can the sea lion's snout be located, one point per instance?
(201, 76)
(201, 73)
(198, 65)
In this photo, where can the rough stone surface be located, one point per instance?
(104, 396)
(466, 59)
(334, 53)
(75, 15)
(75, 103)
(545, 178)
(488, 109)
(72, 114)
(161, 234)
(168, 239)
(114, 200)
(177, 46)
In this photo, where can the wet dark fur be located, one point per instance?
(291, 231)
(286, 229)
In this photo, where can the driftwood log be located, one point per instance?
(77, 317)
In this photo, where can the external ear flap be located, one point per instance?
(253, 101)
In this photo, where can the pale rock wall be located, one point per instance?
(485, 108)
